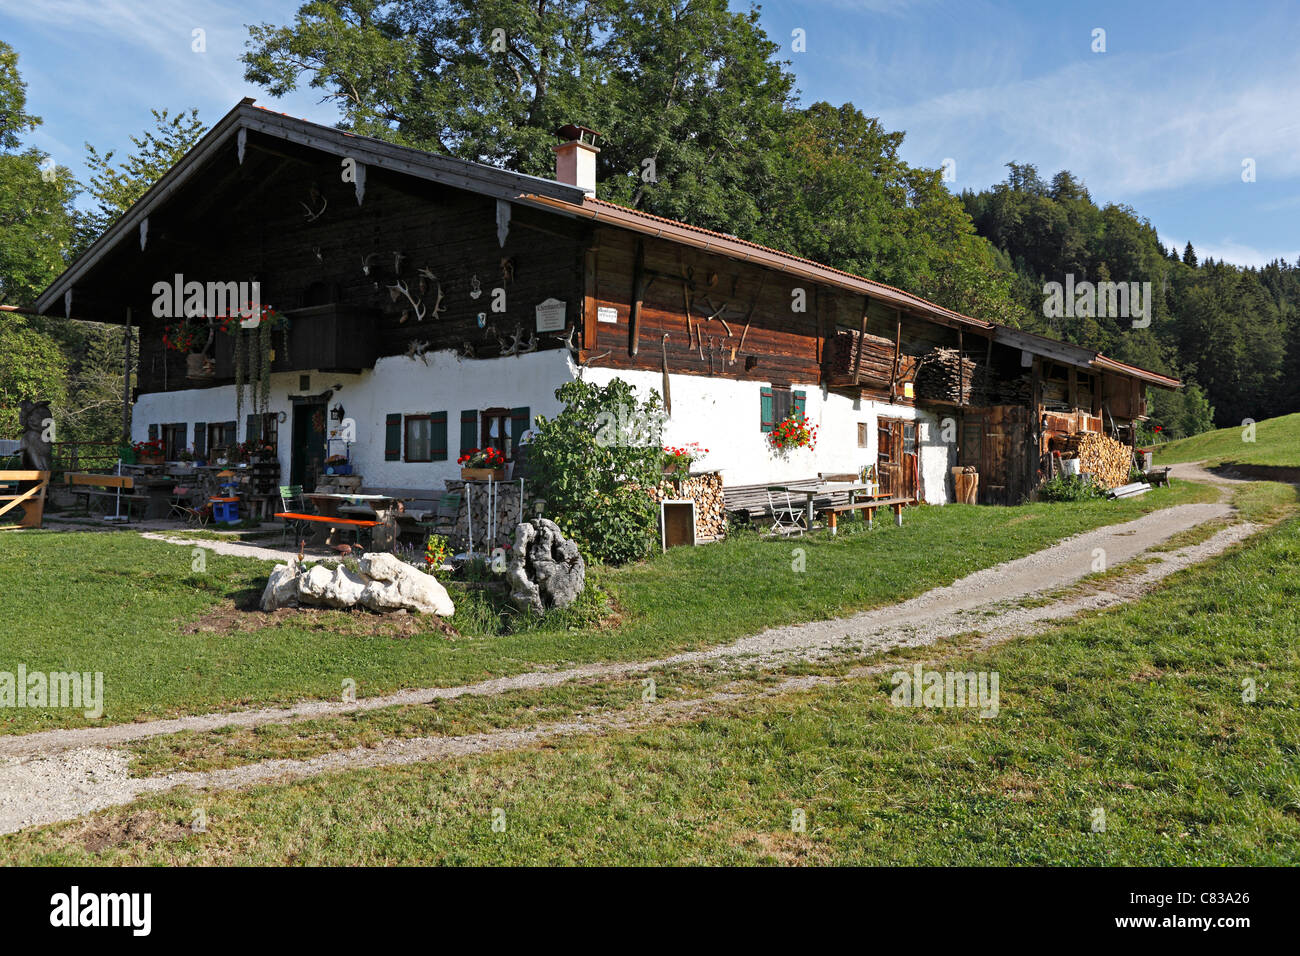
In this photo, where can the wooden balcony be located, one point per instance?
(330, 338)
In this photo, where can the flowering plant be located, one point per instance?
(148, 448)
(794, 432)
(681, 457)
(435, 553)
(482, 458)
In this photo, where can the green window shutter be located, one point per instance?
(438, 441)
(153, 432)
(468, 430)
(520, 422)
(797, 404)
(201, 441)
(231, 434)
(253, 428)
(767, 415)
(393, 438)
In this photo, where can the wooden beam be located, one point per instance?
(862, 341)
(590, 327)
(898, 354)
(638, 293)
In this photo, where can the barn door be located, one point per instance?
(897, 457)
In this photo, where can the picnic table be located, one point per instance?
(853, 488)
(354, 513)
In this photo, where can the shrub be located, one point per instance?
(1069, 488)
(595, 462)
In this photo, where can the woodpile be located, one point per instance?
(1101, 456)
(494, 520)
(876, 365)
(710, 504)
(947, 375)
(990, 389)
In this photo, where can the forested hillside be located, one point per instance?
(1232, 333)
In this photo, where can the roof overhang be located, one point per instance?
(374, 153)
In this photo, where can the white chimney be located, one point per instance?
(575, 158)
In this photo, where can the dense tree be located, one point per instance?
(114, 188)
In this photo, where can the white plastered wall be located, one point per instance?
(723, 415)
(396, 384)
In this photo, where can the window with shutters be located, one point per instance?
(173, 437)
(778, 403)
(221, 438)
(419, 438)
(494, 430)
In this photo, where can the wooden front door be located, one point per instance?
(307, 459)
(897, 461)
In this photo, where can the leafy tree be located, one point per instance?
(594, 464)
(35, 197)
(115, 189)
(33, 368)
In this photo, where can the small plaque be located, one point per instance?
(606, 314)
(551, 316)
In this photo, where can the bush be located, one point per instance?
(1069, 488)
(595, 462)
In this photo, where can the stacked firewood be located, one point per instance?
(947, 375)
(877, 360)
(992, 389)
(1101, 456)
(710, 505)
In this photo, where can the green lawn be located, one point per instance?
(119, 604)
(1138, 713)
(1277, 443)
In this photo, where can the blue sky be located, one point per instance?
(1162, 120)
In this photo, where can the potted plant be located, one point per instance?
(483, 464)
(678, 459)
(149, 452)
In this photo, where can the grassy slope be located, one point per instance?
(1138, 712)
(1277, 443)
(116, 603)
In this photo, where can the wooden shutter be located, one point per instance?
(438, 438)
(520, 420)
(393, 437)
(468, 430)
(153, 432)
(200, 441)
(767, 410)
(797, 402)
(253, 428)
(230, 435)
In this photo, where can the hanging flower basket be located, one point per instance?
(794, 432)
(199, 366)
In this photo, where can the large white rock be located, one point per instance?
(282, 587)
(394, 584)
(383, 584)
(337, 588)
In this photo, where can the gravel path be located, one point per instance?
(63, 774)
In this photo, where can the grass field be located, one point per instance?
(127, 607)
(1276, 444)
(1136, 717)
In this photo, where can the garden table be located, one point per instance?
(829, 488)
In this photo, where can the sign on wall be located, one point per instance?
(551, 316)
(606, 314)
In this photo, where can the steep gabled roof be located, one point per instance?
(555, 197)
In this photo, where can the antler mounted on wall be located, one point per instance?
(311, 214)
(401, 289)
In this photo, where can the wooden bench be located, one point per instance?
(331, 523)
(751, 500)
(106, 489)
(1156, 477)
(869, 506)
(25, 509)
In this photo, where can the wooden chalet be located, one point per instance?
(430, 305)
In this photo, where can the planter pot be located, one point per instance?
(151, 459)
(483, 474)
(199, 366)
(345, 469)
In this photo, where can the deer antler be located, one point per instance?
(401, 289)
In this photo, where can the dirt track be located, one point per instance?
(62, 774)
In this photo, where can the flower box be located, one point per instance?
(344, 469)
(483, 474)
(148, 459)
